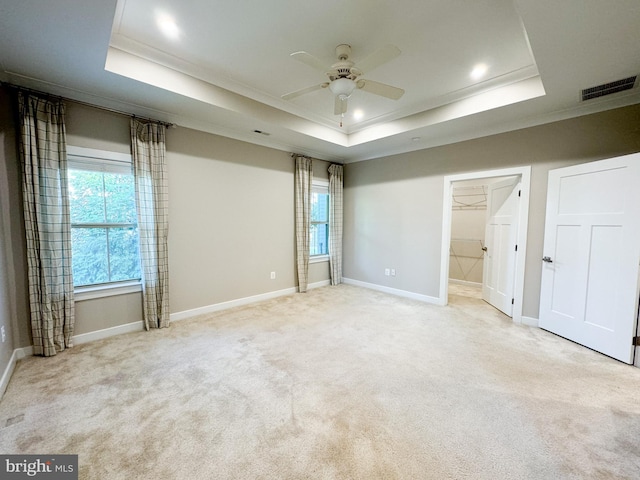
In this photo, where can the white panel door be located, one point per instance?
(589, 288)
(500, 244)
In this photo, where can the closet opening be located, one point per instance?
(485, 218)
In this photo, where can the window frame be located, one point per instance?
(104, 161)
(319, 186)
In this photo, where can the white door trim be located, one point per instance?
(525, 174)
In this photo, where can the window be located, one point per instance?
(104, 232)
(319, 235)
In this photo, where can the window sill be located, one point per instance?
(319, 258)
(100, 291)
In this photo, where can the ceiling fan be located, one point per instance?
(344, 75)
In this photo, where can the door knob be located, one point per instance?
(547, 259)
(484, 249)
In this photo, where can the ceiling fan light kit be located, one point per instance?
(344, 76)
(342, 87)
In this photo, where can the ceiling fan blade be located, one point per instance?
(303, 91)
(340, 106)
(379, 57)
(310, 60)
(381, 89)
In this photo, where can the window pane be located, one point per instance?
(86, 196)
(89, 250)
(123, 254)
(319, 207)
(319, 239)
(120, 198)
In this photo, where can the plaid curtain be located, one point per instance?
(152, 200)
(303, 176)
(43, 154)
(335, 223)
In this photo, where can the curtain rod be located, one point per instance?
(294, 155)
(87, 104)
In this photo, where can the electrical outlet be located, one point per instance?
(393, 272)
(273, 275)
(387, 272)
(4, 336)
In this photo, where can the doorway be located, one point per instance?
(520, 232)
(484, 222)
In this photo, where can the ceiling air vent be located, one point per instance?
(608, 88)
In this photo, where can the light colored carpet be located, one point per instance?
(465, 290)
(337, 383)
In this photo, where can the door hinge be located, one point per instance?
(635, 341)
(513, 301)
(519, 192)
(516, 248)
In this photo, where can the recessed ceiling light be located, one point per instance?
(168, 25)
(479, 71)
(358, 114)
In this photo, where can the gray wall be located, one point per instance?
(230, 218)
(7, 300)
(14, 298)
(393, 205)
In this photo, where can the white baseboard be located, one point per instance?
(174, 317)
(108, 332)
(323, 283)
(242, 301)
(393, 291)
(18, 353)
(23, 352)
(530, 321)
(8, 371)
(216, 307)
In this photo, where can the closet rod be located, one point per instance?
(86, 104)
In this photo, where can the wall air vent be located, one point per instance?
(608, 88)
